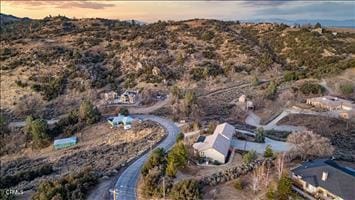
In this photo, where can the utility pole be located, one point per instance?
(114, 191)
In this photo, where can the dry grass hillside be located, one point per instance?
(56, 60)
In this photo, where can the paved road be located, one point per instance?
(127, 182)
(150, 109)
(20, 124)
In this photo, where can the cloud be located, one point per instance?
(62, 4)
(258, 3)
(311, 9)
(84, 4)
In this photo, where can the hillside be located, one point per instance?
(54, 61)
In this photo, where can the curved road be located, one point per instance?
(128, 180)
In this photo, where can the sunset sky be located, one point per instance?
(150, 11)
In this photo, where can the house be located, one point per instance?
(65, 142)
(250, 105)
(128, 96)
(126, 121)
(216, 146)
(245, 103)
(330, 103)
(110, 97)
(325, 179)
(242, 98)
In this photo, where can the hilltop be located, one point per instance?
(56, 60)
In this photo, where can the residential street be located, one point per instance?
(127, 181)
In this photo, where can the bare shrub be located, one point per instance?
(28, 106)
(308, 145)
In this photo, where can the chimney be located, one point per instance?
(324, 176)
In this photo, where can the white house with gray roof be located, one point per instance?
(217, 145)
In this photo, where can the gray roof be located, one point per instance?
(226, 130)
(340, 180)
(219, 140)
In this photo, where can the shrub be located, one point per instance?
(21, 84)
(156, 159)
(124, 111)
(152, 183)
(207, 35)
(268, 152)
(88, 112)
(38, 129)
(176, 92)
(4, 195)
(308, 88)
(180, 137)
(284, 188)
(309, 145)
(290, 76)
(238, 184)
(255, 81)
(271, 89)
(260, 135)
(186, 189)
(27, 175)
(249, 157)
(67, 125)
(346, 89)
(270, 194)
(3, 125)
(71, 187)
(177, 158)
(197, 73)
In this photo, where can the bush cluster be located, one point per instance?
(186, 189)
(249, 157)
(308, 88)
(71, 187)
(38, 130)
(8, 181)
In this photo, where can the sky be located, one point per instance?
(150, 11)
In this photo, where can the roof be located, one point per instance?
(331, 101)
(340, 180)
(219, 140)
(65, 140)
(226, 130)
(215, 141)
(121, 119)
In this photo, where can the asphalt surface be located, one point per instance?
(127, 182)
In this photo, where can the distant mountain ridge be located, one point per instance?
(349, 23)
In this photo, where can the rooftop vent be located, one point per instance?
(324, 176)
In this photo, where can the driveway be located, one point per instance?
(254, 120)
(20, 124)
(276, 146)
(128, 180)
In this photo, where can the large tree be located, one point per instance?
(88, 112)
(38, 129)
